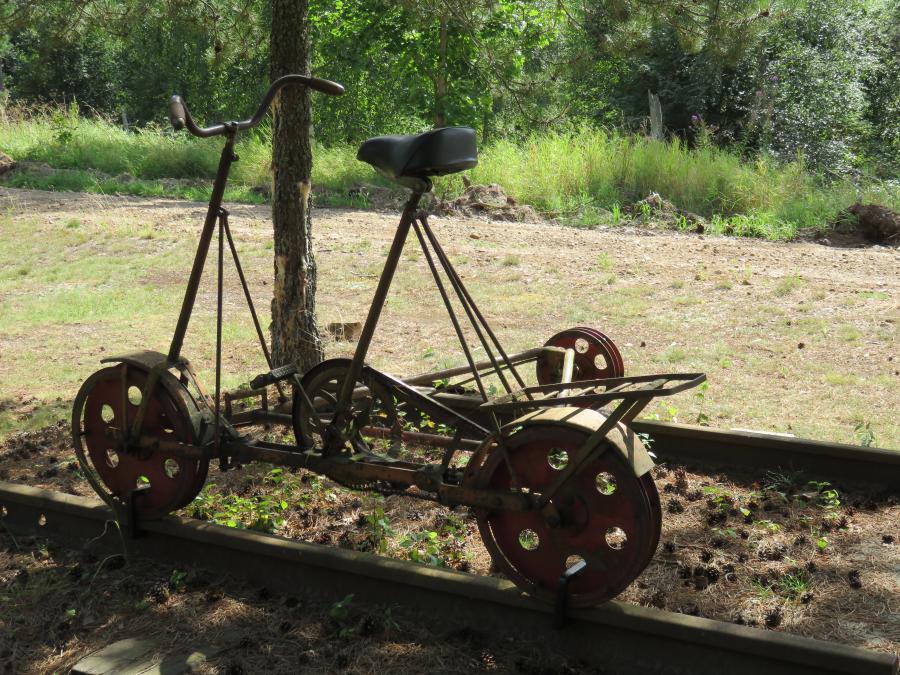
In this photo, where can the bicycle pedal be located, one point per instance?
(273, 376)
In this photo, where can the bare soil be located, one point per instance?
(773, 551)
(61, 605)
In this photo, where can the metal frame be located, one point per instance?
(434, 481)
(478, 423)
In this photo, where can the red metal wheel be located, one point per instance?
(614, 353)
(655, 508)
(596, 356)
(111, 398)
(607, 517)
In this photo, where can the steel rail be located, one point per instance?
(619, 637)
(754, 450)
(750, 450)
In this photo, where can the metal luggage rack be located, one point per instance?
(596, 393)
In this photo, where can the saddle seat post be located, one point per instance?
(381, 291)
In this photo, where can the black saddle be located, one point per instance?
(433, 153)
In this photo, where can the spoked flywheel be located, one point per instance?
(110, 398)
(314, 407)
(604, 515)
(596, 356)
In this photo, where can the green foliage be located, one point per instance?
(773, 78)
(178, 581)
(700, 397)
(865, 434)
(379, 528)
(440, 548)
(883, 91)
(810, 97)
(423, 547)
(341, 613)
(559, 173)
(473, 63)
(768, 525)
(129, 57)
(794, 584)
(263, 512)
(813, 78)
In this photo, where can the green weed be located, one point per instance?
(379, 528)
(865, 434)
(793, 584)
(787, 285)
(440, 548)
(262, 512)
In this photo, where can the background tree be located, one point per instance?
(883, 92)
(295, 335)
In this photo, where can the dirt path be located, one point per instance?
(795, 337)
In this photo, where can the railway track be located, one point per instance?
(878, 468)
(618, 637)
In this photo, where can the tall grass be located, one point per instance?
(578, 177)
(66, 141)
(565, 174)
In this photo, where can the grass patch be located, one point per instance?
(674, 355)
(43, 415)
(848, 333)
(82, 180)
(840, 379)
(65, 292)
(873, 295)
(788, 285)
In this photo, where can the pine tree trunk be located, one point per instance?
(295, 335)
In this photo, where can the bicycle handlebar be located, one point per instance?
(180, 116)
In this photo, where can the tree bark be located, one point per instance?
(295, 335)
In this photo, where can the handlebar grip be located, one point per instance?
(325, 86)
(177, 114)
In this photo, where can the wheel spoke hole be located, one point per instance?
(616, 538)
(112, 458)
(558, 458)
(141, 481)
(573, 560)
(3, 512)
(600, 362)
(134, 395)
(582, 345)
(107, 414)
(606, 483)
(42, 520)
(528, 539)
(171, 468)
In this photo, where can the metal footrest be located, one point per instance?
(275, 375)
(595, 393)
